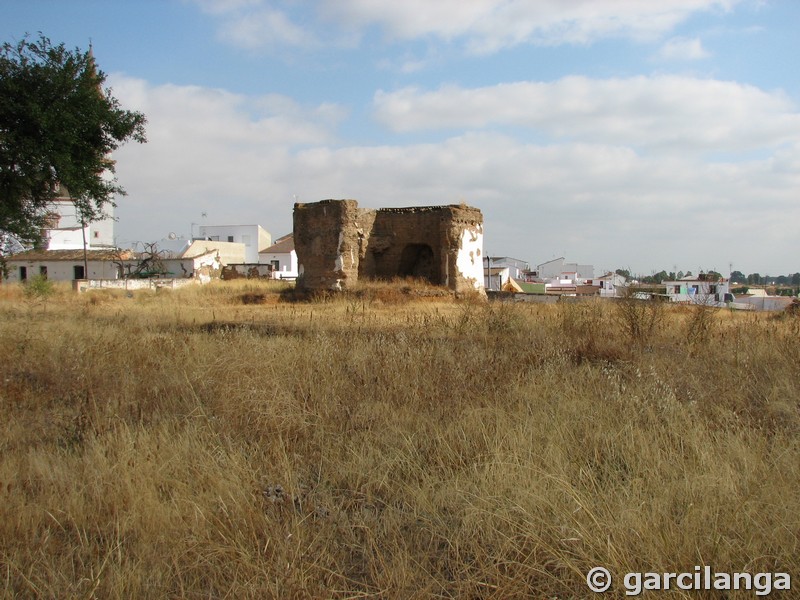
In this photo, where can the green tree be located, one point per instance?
(738, 277)
(58, 125)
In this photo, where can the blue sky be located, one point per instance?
(620, 133)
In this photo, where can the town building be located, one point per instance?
(66, 265)
(700, 289)
(497, 271)
(612, 285)
(282, 257)
(67, 231)
(559, 269)
(254, 238)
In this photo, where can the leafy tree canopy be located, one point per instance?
(58, 125)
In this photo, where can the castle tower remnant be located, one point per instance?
(338, 243)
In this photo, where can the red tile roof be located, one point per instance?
(283, 245)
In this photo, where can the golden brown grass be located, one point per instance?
(194, 444)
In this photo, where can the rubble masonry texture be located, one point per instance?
(338, 243)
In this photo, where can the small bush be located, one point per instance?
(640, 319)
(38, 289)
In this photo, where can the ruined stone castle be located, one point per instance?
(338, 243)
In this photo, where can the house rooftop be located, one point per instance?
(701, 277)
(71, 255)
(282, 245)
(203, 247)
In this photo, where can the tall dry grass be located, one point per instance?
(224, 442)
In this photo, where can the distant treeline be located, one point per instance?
(736, 277)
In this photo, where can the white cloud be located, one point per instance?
(490, 25)
(653, 112)
(683, 49)
(225, 6)
(242, 159)
(482, 26)
(262, 28)
(209, 150)
(253, 24)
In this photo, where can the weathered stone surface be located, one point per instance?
(338, 243)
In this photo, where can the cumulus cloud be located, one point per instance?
(211, 151)
(254, 24)
(242, 160)
(482, 26)
(264, 27)
(490, 25)
(649, 112)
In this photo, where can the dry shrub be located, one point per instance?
(701, 325)
(585, 328)
(187, 445)
(640, 320)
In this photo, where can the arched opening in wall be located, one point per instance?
(416, 260)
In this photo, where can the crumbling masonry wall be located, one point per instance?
(338, 243)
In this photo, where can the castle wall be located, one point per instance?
(337, 244)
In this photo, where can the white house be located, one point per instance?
(496, 278)
(612, 285)
(497, 270)
(66, 265)
(282, 257)
(61, 256)
(200, 266)
(699, 289)
(558, 268)
(228, 253)
(254, 237)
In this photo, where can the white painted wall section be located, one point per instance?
(469, 261)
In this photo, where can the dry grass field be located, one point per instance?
(223, 442)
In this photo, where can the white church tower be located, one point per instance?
(65, 231)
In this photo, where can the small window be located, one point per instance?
(96, 234)
(712, 289)
(230, 238)
(43, 271)
(676, 290)
(78, 272)
(276, 265)
(23, 273)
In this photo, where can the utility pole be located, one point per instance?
(85, 258)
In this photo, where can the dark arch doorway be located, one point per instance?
(416, 260)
